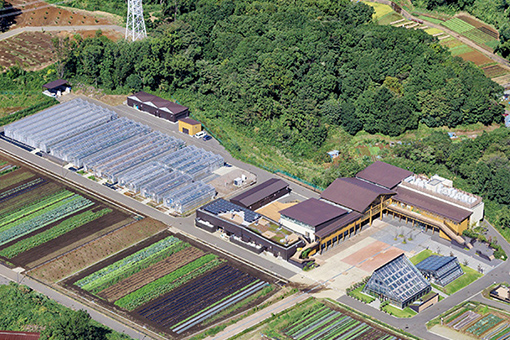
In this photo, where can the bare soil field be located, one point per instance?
(43, 14)
(477, 57)
(30, 50)
(97, 250)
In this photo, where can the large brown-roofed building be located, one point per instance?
(384, 174)
(262, 194)
(309, 216)
(157, 106)
(354, 193)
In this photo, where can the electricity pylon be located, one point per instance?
(135, 27)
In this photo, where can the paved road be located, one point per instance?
(17, 31)
(6, 274)
(260, 316)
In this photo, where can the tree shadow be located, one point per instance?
(8, 17)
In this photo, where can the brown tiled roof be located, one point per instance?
(353, 193)
(431, 204)
(338, 224)
(313, 212)
(384, 174)
(14, 335)
(260, 192)
(55, 83)
(160, 102)
(189, 121)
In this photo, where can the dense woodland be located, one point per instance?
(292, 69)
(25, 310)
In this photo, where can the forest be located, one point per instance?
(293, 69)
(26, 310)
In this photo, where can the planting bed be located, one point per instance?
(325, 322)
(458, 25)
(40, 215)
(480, 25)
(476, 57)
(32, 50)
(171, 284)
(495, 71)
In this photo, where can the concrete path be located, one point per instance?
(260, 316)
(96, 313)
(16, 31)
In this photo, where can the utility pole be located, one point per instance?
(135, 26)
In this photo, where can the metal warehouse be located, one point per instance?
(157, 106)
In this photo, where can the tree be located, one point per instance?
(134, 83)
(62, 47)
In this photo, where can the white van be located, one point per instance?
(200, 134)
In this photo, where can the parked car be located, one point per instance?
(207, 137)
(200, 134)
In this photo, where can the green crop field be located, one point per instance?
(458, 25)
(460, 49)
(478, 36)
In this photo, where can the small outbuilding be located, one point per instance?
(56, 88)
(262, 194)
(157, 106)
(189, 126)
(440, 269)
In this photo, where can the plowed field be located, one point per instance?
(150, 274)
(477, 57)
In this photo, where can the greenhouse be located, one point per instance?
(189, 196)
(138, 176)
(51, 126)
(164, 185)
(398, 281)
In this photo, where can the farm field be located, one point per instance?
(474, 30)
(317, 319)
(39, 216)
(495, 71)
(380, 9)
(172, 284)
(475, 320)
(30, 50)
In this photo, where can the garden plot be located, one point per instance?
(39, 216)
(171, 284)
(474, 320)
(495, 71)
(312, 319)
(32, 50)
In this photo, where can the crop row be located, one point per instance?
(478, 36)
(20, 189)
(106, 274)
(168, 282)
(34, 206)
(50, 234)
(101, 277)
(481, 326)
(154, 272)
(8, 169)
(328, 324)
(219, 306)
(458, 25)
(497, 331)
(194, 297)
(66, 207)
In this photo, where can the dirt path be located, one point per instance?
(17, 31)
(457, 36)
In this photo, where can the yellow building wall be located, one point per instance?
(192, 129)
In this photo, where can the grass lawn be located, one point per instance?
(470, 275)
(420, 256)
(380, 9)
(399, 313)
(374, 150)
(357, 293)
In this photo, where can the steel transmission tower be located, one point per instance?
(135, 27)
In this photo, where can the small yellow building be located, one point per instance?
(189, 126)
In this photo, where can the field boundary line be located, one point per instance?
(229, 254)
(80, 246)
(109, 256)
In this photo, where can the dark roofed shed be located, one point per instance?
(262, 194)
(313, 212)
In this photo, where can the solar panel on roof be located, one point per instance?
(222, 206)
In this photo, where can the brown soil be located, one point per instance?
(97, 250)
(480, 25)
(68, 283)
(51, 248)
(495, 71)
(476, 57)
(43, 14)
(30, 50)
(151, 273)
